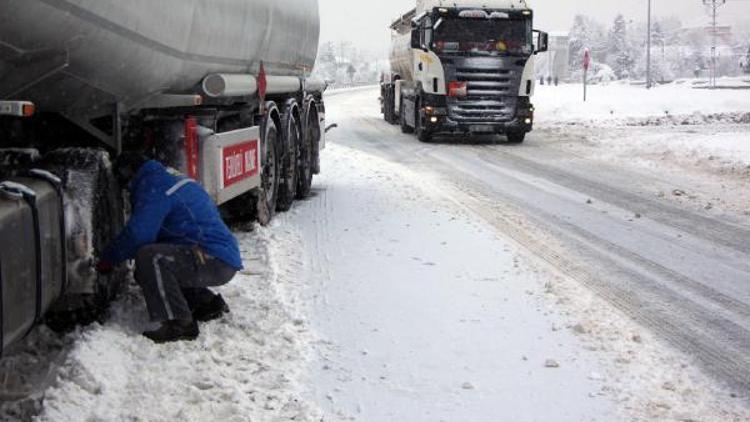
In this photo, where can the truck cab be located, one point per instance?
(463, 69)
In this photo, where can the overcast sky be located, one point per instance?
(365, 23)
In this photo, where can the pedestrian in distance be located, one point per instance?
(180, 245)
(549, 80)
(557, 81)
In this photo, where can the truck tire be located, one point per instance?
(423, 134)
(266, 199)
(308, 144)
(405, 128)
(291, 135)
(94, 214)
(516, 138)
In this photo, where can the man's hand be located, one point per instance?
(104, 267)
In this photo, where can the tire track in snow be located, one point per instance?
(719, 344)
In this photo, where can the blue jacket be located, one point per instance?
(172, 209)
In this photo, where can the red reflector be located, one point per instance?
(28, 110)
(191, 147)
(457, 89)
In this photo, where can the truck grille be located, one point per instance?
(482, 111)
(490, 96)
(486, 82)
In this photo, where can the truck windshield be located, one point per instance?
(483, 36)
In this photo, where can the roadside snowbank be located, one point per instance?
(249, 366)
(698, 138)
(619, 103)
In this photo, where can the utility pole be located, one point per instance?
(714, 5)
(648, 48)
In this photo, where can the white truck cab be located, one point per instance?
(463, 67)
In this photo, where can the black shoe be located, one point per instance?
(211, 310)
(174, 331)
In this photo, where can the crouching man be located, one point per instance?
(180, 245)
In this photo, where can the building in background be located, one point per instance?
(554, 63)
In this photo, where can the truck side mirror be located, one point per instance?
(541, 40)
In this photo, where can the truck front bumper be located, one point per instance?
(439, 122)
(444, 124)
(443, 120)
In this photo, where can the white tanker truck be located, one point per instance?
(217, 89)
(460, 67)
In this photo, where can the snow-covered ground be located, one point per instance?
(251, 365)
(698, 137)
(632, 104)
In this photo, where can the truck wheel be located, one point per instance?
(307, 150)
(405, 128)
(420, 125)
(269, 179)
(290, 136)
(94, 215)
(516, 138)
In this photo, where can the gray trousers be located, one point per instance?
(175, 277)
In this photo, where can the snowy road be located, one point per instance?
(682, 273)
(685, 274)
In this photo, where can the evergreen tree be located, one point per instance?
(585, 33)
(657, 35)
(620, 55)
(579, 37)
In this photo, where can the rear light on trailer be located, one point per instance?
(457, 89)
(17, 108)
(28, 110)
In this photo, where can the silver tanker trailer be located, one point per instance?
(218, 89)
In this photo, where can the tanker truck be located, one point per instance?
(218, 90)
(463, 67)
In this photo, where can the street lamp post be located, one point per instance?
(713, 4)
(648, 48)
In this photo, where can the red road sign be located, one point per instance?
(586, 59)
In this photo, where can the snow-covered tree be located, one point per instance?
(620, 52)
(658, 38)
(585, 33)
(342, 64)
